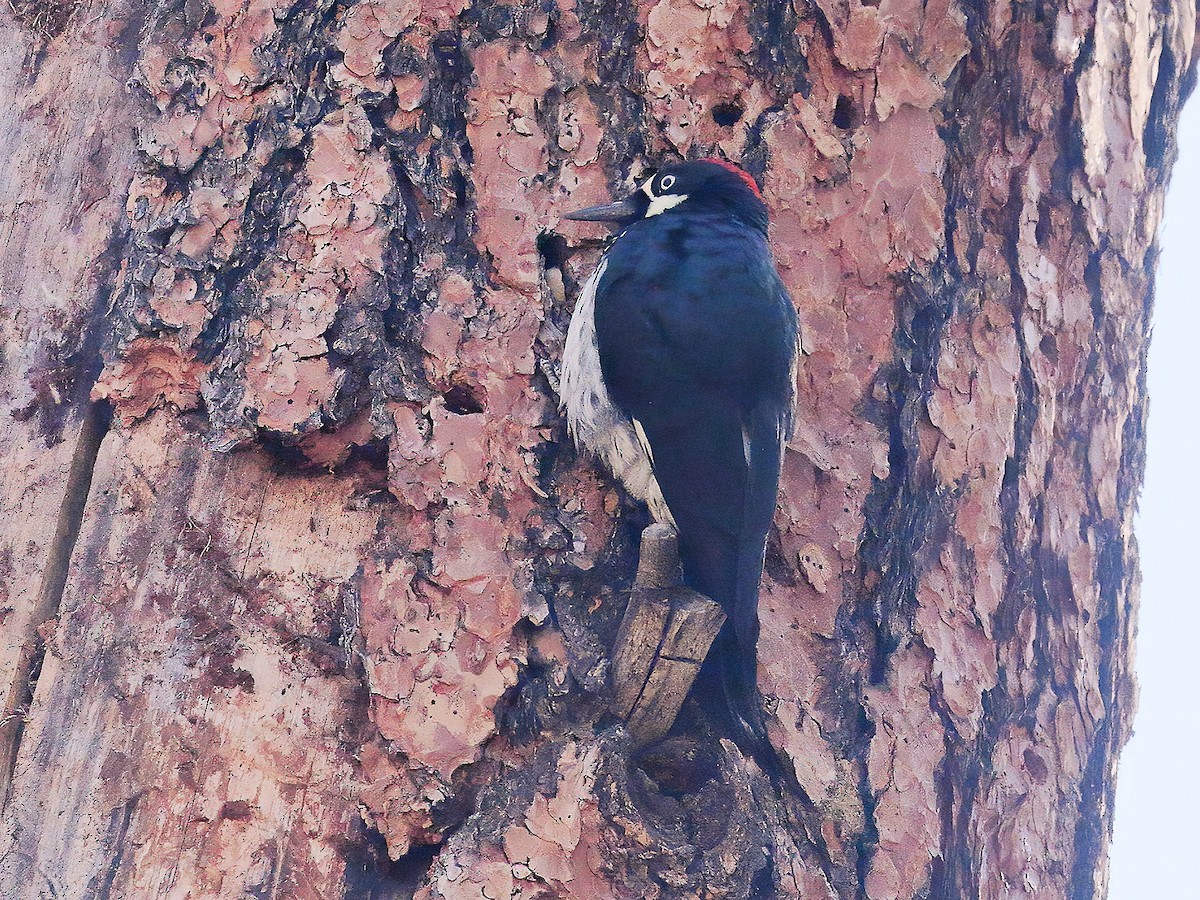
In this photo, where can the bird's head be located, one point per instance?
(709, 185)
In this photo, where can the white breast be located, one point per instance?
(595, 423)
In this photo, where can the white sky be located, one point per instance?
(1157, 832)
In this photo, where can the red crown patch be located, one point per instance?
(737, 170)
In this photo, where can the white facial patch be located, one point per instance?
(660, 204)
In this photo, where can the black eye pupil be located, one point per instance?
(666, 183)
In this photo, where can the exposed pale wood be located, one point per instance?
(645, 617)
(658, 559)
(695, 621)
(238, 727)
(663, 639)
(693, 625)
(65, 163)
(637, 647)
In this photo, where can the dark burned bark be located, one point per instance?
(329, 609)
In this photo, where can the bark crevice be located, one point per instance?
(94, 425)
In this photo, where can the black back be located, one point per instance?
(697, 337)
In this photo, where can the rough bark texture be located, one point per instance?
(304, 592)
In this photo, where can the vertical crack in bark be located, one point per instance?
(617, 68)
(262, 502)
(959, 874)
(391, 365)
(1116, 567)
(779, 58)
(1096, 789)
(92, 430)
(101, 888)
(958, 773)
(264, 212)
(903, 513)
(956, 874)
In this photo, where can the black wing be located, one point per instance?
(697, 340)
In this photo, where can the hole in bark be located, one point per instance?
(1036, 766)
(680, 766)
(726, 114)
(845, 114)
(553, 250)
(372, 875)
(462, 401)
(1045, 222)
(1049, 348)
(372, 455)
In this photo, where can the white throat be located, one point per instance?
(660, 204)
(663, 203)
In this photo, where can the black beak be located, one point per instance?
(622, 211)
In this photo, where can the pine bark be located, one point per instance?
(303, 590)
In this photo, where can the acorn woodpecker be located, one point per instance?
(678, 372)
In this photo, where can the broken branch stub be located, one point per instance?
(663, 639)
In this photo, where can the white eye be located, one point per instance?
(666, 182)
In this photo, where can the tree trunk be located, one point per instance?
(305, 592)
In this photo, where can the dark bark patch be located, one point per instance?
(118, 829)
(45, 18)
(236, 810)
(680, 766)
(224, 674)
(372, 875)
(779, 57)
